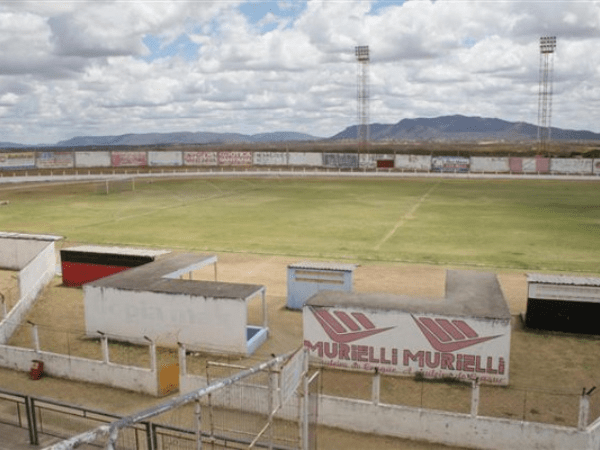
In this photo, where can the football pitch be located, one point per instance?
(520, 224)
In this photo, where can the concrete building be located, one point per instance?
(87, 263)
(465, 335)
(152, 302)
(306, 278)
(563, 303)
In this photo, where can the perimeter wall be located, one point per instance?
(341, 161)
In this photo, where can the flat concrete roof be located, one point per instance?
(30, 237)
(157, 276)
(310, 265)
(468, 294)
(562, 279)
(110, 250)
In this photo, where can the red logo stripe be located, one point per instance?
(330, 320)
(363, 320)
(347, 320)
(466, 329)
(435, 329)
(450, 329)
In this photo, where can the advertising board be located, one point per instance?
(235, 158)
(270, 158)
(400, 343)
(367, 161)
(13, 161)
(92, 159)
(129, 159)
(421, 163)
(340, 160)
(200, 158)
(170, 158)
(571, 165)
(306, 159)
(450, 164)
(488, 164)
(54, 160)
(537, 164)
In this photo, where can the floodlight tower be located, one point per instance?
(547, 46)
(362, 56)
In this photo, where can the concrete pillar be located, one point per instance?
(264, 309)
(105, 357)
(475, 398)
(182, 361)
(4, 311)
(584, 411)
(152, 349)
(35, 337)
(376, 388)
(197, 413)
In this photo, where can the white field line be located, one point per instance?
(406, 216)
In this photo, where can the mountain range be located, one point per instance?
(446, 128)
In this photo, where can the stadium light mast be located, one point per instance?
(362, 57)
(547, 47)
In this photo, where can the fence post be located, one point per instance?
(34, 336)
(475, 398)
(584, 410)
(304, 401)
(150, 436)
(197, 412)
(182, 362)
(152, 349)
(31, 420)
(104, 343)
(376, 388)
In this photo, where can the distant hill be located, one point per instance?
(184, 138)
(10, 145)
(462, 128)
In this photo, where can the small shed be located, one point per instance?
(153, 302)
(563, 303)
(465, 335)
(305, 279)
(87, 263)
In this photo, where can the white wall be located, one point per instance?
(165, 158)
(413, 162)
(17, 253)
(489, 164)
(32, 279)
(571, 165)
(81, 369)
(167, 319)
(306, 159)
(92, 159)
(270, 158)
(448, 428)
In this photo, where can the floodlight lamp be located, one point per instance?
(362, 52)
(547, 44)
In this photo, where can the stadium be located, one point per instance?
(408, 228)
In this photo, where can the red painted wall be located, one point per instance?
(75, 274)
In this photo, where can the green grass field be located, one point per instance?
(521, 224)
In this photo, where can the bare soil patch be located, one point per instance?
(547, 370)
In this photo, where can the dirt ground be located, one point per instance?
(59, 314)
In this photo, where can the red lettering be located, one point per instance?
(501, 366)
(447, 361)
(344, 351)
(478, 367)
(362, 353)
(312, 347)
(436, 360)
(395, 356)
(382, 356)
(459, 361)
(330, 349)
(468, 363)
(489, 365)
(419, 356)
(372, 358)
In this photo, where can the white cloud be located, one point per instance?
(75, 67)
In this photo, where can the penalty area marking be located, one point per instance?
(407, 216)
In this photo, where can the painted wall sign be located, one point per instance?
(129, 159)
(200, 158)
(399, 343)
(450, 164)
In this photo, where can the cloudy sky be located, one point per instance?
(103, 67)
